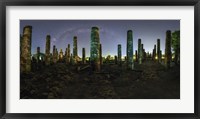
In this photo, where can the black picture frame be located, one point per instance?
(4, 3)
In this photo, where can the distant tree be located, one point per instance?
(176, 45)
(108, 58)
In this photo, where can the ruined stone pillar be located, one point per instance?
(94, 49)
(75, 51)
(125, 59)
(119, 50)
(61, 55)
(139, 51)
(129, 52)
(136, 56)
(83, 56)
(25, 60)
(168, 49)
(51, 58)
(47, 50)
(160, 55)
(66, 55)
(144, 54)
(154, 53)
(115, 59)
(71, 59)
(158, 50)
(142, 46)
(57, 55)
(142, 49)
(54, 54)
(38, 64)
(68, 52)
(38, 54)
(100, 54)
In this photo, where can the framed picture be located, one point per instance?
(99, 59)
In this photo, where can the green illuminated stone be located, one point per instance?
(130, 62)
(119, 50)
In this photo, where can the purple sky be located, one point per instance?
(112, 33)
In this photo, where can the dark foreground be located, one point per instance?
(148, 81)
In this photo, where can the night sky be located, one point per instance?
(112, 33)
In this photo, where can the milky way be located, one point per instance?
(112, 33)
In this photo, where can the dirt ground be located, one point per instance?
(149, 80)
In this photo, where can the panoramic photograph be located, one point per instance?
(99, 59)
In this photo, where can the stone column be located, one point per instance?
(136, 56)
(61, 55)
(51, 58)
(100, 54)
(25, 60)
(71, 59)
(38, 54)
(94, 49)
(54, 54)
(115, 59)
(83, 56)
(119, 50)
(75, 51)
(160, 55)
(47, 50)
(142, 53)
(68, 53)
(57, 55)
(129, 52)
(168, 49)
(39, 59)
(158, 50)
(154, 53)
(139, 51)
